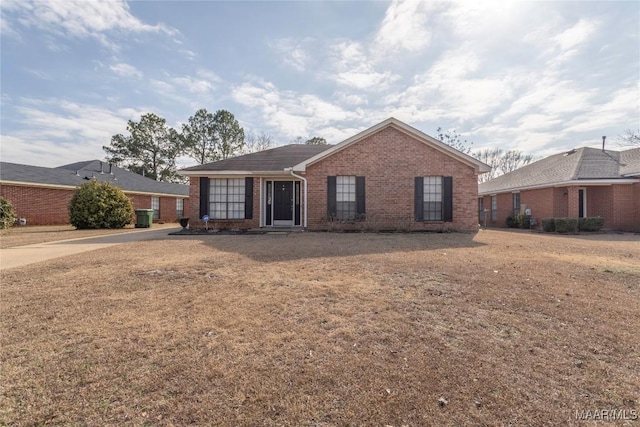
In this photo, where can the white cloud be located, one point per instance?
(126, 70)
(292, 51)
(83, 18)
(58, 132)
(192, 85)
(452, 89)
(187, 90)
(577, 34)
(620, 109)
(290, 113)
(352, 68)
(404, 27)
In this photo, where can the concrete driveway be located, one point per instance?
(29, 254)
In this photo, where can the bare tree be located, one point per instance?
(491, 157)
(453, 139)
(512, 160)
(257, 142)
(501, 162)
(629, 138)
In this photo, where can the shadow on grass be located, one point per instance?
(296, 246)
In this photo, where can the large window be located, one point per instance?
(155, 205)
(432, 210)
(494, 208)
(179, 208)
(226, 198)
(345, 197)
(516, 203)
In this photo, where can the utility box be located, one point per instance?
(144, 218)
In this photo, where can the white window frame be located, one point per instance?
(227, 198)
(346, 209)
(179, 207)
(433, 198)
(155, 205)
(494, 207)
(516, 195)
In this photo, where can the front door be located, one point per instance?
(582, 203)
(283, 203)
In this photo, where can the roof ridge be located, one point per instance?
(580, 151)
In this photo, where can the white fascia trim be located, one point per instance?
(39, 185)
(404, 128)
(207, 173)
(581, 183)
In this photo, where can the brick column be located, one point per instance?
(573, 201)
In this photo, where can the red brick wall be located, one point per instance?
(194, 200)
(618, 204)
(390, 160)
(50, 206)
(540, 201)
(624, 215)
(194, 208)
(600, 203)
(560, 202)
(39, 206)
(636, 207)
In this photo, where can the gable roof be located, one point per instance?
(297, 157)
(74, 174)
(402, 127)
(273, 160)
(575, 166)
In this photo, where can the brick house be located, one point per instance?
(389, 176)
(585, 182)
(41, 195)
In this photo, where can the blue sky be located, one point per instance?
(540, 77)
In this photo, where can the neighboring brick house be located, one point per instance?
(41, 195)
(389, 176)
(585, 182)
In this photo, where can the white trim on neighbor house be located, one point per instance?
(580, 183)
(73, 187)
(404, 128)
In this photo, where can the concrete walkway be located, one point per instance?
(23, 255)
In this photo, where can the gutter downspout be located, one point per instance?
(290, 170)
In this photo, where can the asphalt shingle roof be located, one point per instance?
(77, 173)
(275, 159)
(580, 164)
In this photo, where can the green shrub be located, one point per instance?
(566, 225)
(593, 223)
(7, 215)
(523, 221)
(100, 205)
(512, 222)
(549, 224)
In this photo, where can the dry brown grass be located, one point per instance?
(20, 236)
(325, 329)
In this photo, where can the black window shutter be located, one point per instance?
(204, 196)
(360, 199)
(419, 198)
(447, 194)
(331, 196)
(248, 198)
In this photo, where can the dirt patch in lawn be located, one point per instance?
(323, 329)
